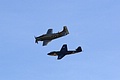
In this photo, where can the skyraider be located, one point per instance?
(46, 38)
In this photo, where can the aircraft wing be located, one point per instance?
(50, 31)
(61, 56)
(64, 48)
(45, 42)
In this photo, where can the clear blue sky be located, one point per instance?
(93, 24)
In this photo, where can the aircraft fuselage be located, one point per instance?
(64, 52)
(56, 53)
(50, 36)
(46, 38)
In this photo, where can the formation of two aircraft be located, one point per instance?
(46, 38)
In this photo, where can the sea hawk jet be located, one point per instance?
(46, 38)
(64, 51)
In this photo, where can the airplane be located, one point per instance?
(64, 51)
(46, 38)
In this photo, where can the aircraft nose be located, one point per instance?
(52, 54)
(36, 41)
(49, 54)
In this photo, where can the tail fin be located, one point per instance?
(65, 30)
(79, 49)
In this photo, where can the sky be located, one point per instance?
(93, 25)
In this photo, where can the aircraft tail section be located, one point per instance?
(79, 49)
(65, 30)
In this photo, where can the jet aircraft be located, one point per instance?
(46, 38)
(64, 51)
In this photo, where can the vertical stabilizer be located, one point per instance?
(65, 30)
(79, 49)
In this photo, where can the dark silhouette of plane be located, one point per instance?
(64, 52)
(46, 38)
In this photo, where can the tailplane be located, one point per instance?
(79, 49)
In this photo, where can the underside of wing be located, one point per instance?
(60, 56)
(45, 42)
